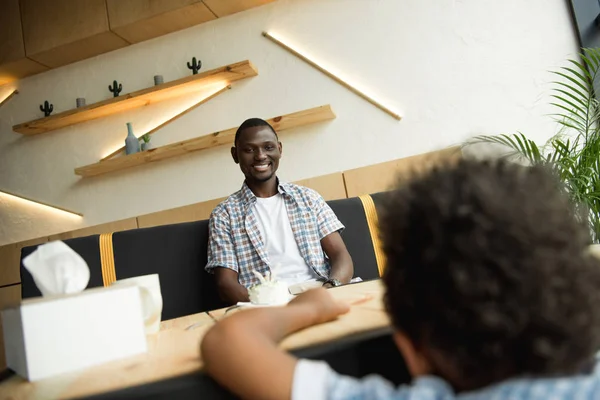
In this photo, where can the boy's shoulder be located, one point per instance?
(316, 380)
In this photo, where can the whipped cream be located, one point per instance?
(269, 293)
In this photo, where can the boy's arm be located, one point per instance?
(241, 352)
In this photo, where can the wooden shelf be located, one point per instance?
(155, 94)
(288, 121)
(181, 114)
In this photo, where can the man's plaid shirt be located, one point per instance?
(235, 241)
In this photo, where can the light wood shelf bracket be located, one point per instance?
(281, 123)
(166, 91)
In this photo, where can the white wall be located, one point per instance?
(453, 68)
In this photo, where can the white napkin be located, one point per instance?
(57, 269)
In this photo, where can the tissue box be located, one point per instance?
(46, 336)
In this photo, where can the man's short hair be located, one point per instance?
(488, 273)
(251, 123)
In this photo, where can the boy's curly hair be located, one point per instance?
(488, 273)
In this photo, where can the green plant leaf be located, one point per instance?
(572, 88)
(575, 81)
(581, 77)
(583, 68)
(583, 103)
(573, 153)
(576, 107)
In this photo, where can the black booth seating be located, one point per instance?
(88, 247)
(356, 236)
(178, 253)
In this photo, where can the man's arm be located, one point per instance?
(342, 267)
(332, 243)
(229, 288)
(222, 260)
(241, 351)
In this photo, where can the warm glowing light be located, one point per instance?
(203, 98)
(40, 204)
(330, 72)
(6, 95)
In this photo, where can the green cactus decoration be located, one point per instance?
(194, 66)
(115, 90)
(47, 109)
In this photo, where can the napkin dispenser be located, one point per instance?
(68, 329)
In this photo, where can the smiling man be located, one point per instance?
(270, 225)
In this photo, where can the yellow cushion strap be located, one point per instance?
(373, 223)
(107, 259)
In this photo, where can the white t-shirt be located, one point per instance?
(281, 247)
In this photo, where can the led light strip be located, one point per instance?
(8, 96)
(41, 203)
(330, 74)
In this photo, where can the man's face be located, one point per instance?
(257, 152)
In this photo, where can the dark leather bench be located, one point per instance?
(178, 254)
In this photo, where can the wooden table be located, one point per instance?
(175, 350)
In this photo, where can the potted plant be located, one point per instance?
(146, 145)
(574, 153)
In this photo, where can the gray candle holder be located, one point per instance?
(158, 80)
(80, 101)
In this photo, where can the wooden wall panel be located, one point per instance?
(139, 20)
(331, 186)
(226, 7)
(11, 38)
(9, 296)
(115, 226)
(10, 260)
(13, 63)
(192, 212)
(380, 177)
(60, 32)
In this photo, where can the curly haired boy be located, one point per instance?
(490, 288)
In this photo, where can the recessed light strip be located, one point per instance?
(331, 75)
(8, 96)
(40, 203)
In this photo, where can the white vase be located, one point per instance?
(132, 144)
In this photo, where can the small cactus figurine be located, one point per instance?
(47, 109)
(194, 66)
(115, 89)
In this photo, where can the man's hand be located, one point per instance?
(230, 290)
(321, 304)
